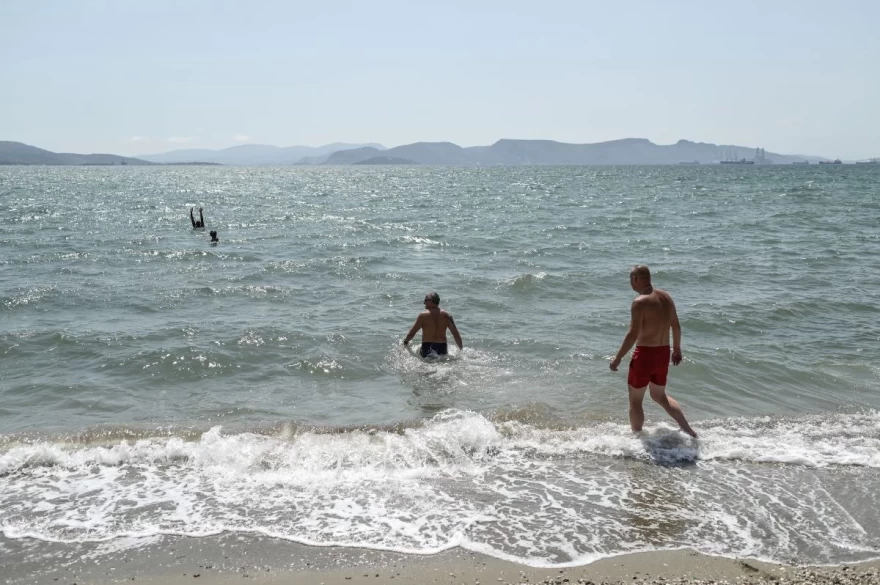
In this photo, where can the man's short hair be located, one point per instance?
(642, 271)
(435, 298)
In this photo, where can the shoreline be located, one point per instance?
(243, 558)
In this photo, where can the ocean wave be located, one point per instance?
(543, 496)
(30, 297)
(216, 254)
(524, 281)
(811, 441)
(420, 240)
(246, 290)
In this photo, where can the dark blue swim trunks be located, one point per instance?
(430, 347)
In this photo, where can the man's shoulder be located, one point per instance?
(662, 293)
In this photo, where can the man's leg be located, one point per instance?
(658, 394)
(636, 414)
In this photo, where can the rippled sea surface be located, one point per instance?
(152, 383)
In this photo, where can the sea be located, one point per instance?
(154, 385)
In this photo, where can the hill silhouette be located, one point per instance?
(255, 154)
(628, 151)
(18, 153)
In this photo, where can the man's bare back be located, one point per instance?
(657, 313)
(433, 322)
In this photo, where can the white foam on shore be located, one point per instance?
(762, 488)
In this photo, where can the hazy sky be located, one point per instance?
(137, 77)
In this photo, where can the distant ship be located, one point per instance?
(836, 161)
(873, 161)
(760, 158)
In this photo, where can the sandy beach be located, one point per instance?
(233, 558)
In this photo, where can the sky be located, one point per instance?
(147, 76)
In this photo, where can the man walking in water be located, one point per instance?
(653, 314)
(434, 322)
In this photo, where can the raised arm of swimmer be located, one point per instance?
(192, 219)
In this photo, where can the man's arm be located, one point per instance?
(413, 330)
(454, 330)
(201, 217)
(632, 335)
(676, 336)
(192, 217)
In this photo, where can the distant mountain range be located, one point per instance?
(629, 151)
(255, 154)
(16, 153)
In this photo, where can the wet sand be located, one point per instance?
(255, 559)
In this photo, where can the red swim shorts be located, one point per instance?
(648, 364)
